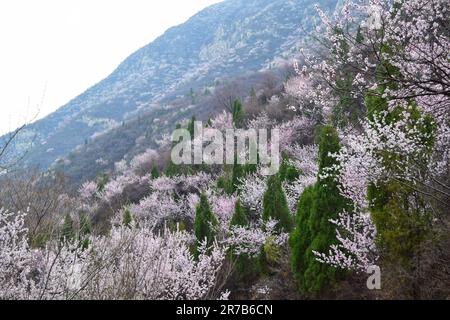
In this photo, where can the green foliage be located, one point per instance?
(344, 47)
(41, 238)
(301, 238)
(238, 113)
(191, 127)
(250, 168)
(85, 230)
(402, 224)
(127, 218)
(172, 169)
(314, 232)
(345, 112)
(272, 251)
(181, 226)
(238, 173)
(263, 263)
(239, 218)
(102, 181)
(205, 224)
(288, 173)
(231, 181)
(67, 229)
(359, 36)
(244, 265)
(270, 255)
(221, 183)
(85, 225)
(175, 225)
(328, 143)
(276, 205)
(399, 213)
(155, 172)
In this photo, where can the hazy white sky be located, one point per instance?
(53, 50)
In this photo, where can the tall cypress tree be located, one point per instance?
(244, 266)
(67, 230)
(275, 204)
(238, 173)
(205, 224)
(314, 231)
(238, 113)
(239, 217)
(155, 172)
(191, 127)
(301, 238)
(85, 230)
(127, 218)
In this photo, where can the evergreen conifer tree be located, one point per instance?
(275, 204)
(67, 230)
(245, 266)
(238, 173)
(239, 217)
(127, 218)
(191, 127)
(85, 230)
(238, 113)
(314, 231)
(155, 172)
(205, 223)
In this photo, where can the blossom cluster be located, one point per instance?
(129, 263)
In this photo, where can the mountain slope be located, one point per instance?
(227, 39)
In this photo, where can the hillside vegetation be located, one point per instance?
(363, 184)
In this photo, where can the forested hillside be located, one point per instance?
(224, 41)
(362, 188)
